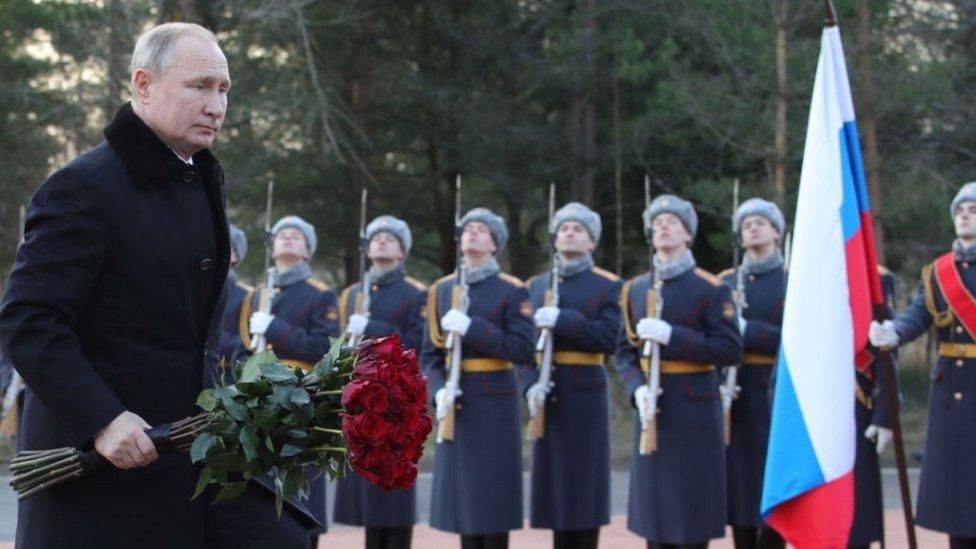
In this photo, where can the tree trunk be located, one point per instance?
(118, 47)
(359, 170)
(201, 12)
(868, 122)
(582, 124)
(782, 101)
(618, 177)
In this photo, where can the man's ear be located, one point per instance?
(141, 85)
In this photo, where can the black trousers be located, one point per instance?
(656, 545)
(389, 538)
(754, 537)
(962, 543)
(251, 522)
(485, 541)
(575, 539)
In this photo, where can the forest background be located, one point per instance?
(399, 96)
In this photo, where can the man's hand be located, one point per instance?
(535, 397)
(456, 321)
(259, 323)
(883, 335)
(124, 442)
(357, 324)
(653, 329)
(444, 398)
(546, 317)
(881, 436)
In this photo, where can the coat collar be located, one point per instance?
(147, 159)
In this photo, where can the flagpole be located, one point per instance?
(884, 355)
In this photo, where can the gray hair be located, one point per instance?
(154, 49)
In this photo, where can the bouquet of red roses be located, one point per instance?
(385, 421)
(364, 407)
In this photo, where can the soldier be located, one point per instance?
(477, 489)
(945, 300)
(304, 315)
(871, 415)
(396, 306)
(760, 226)
(236, 291)
(571, 462)
(677, 493)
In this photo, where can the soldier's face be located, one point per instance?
(385, 246)
(572, 237)
(757, 231)
(965, 220)
(290, 242)
(186, 104)
(476, 239)
(233, 257)
(668, 232)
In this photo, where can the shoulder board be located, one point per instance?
(244, 286)
(318, 284)
(513, 280)
(612, 277)
(726, 272)
(444, 278)
(882, 270)
(708, 277)
(415, 283)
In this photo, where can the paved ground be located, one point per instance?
(614, 536)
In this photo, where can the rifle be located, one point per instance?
(459, 301)
(362, 302)
(8, 425)
(739, 298)
(651, 351)
(537, 423)
(258, 343)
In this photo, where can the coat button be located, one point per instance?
(752, 278)
(958, 396)
(959, 363)
(188, 176)
(206, 264)
(965, 264)
(958, 329)
(375, 287)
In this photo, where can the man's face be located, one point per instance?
(186, 105)
(385, 246)
(572, 237)
(668, 232)
(290, 242)
(965, 220)
(756, 230)
(476, 238)
(233, 258)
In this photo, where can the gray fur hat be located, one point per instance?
(669, 203)
(295, 222)
(238, 241)
(496, 225)
(966, 194)
(758, 206)
(395, 226)
(574, 211)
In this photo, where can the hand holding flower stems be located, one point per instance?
(364, 407)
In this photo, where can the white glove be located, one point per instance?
(456, 321)
(444, 398)
(742, 326)
(259, 322)
(546, 317)
(653, 329)
(883, 335)
(642, 397)
(880, 435)
(357, 324)
(536, 397)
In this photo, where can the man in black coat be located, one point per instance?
(112, 309)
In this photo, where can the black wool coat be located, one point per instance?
(114, 304)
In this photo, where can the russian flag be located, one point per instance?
(808, 490)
